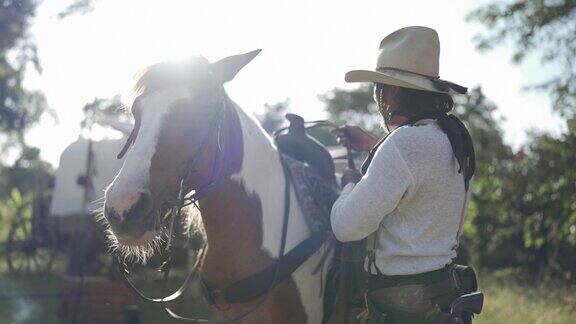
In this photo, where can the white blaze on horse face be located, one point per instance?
(134, 176)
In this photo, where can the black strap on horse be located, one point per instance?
(258, 285)
(273, 278)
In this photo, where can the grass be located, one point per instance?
(23, 310)
(509, 299)
(43, 307)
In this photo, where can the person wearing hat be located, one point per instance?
(410, 199)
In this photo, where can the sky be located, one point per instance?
(307, 47)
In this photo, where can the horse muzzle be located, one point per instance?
(133, 225)
(142, 240)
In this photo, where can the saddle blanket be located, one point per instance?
(315, 194)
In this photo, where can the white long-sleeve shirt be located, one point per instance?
(413, 195)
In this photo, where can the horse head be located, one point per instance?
(179, 109)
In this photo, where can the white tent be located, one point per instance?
(68, 195)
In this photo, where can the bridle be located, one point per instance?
(218, 175)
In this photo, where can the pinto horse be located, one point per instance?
(183, 114)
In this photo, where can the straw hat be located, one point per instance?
(409, 58)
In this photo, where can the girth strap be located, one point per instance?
(261, 282)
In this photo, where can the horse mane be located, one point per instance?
(165, 74)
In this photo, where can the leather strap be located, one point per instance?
(411, 298)
(274, 278)
(258, 284)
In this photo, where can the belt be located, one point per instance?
(425, 278)
(410, 293)
(411, 298)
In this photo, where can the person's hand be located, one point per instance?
(355, 137)
(350, 176)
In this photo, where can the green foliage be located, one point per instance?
(538, 188)
(353, 107)
(547, 28)
(19, 108)
(522, 211)
(28, 174)
(546, 179)
(273, 116)
(14, 205)
(490, 227)
(25, 188)
(77, 7)
(18, 204)
(102, 108)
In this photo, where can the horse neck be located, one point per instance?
(238, 213)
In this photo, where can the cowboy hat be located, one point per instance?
(409, 58)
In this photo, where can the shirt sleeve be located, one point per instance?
(360, 208)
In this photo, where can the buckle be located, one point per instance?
(211, 296)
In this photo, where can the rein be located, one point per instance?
(217, 176)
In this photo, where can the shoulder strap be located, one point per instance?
(370, 156)
(371, 242)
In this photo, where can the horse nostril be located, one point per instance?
(144, 203)
(112, 215)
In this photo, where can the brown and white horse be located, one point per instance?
(242, 216)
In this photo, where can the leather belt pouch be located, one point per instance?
(463, 278)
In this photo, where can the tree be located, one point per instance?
(547, 28)
(20, 109)
(104, 111)
(546, 182)
(543, 182)
(273, 116)
(354, 107)
(80, 7)
(492, 231)
(29, 177)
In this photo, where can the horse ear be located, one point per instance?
(226, 69)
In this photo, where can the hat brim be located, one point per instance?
(395, 78)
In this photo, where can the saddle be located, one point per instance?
(311, 170)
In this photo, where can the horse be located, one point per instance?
(185, 125)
